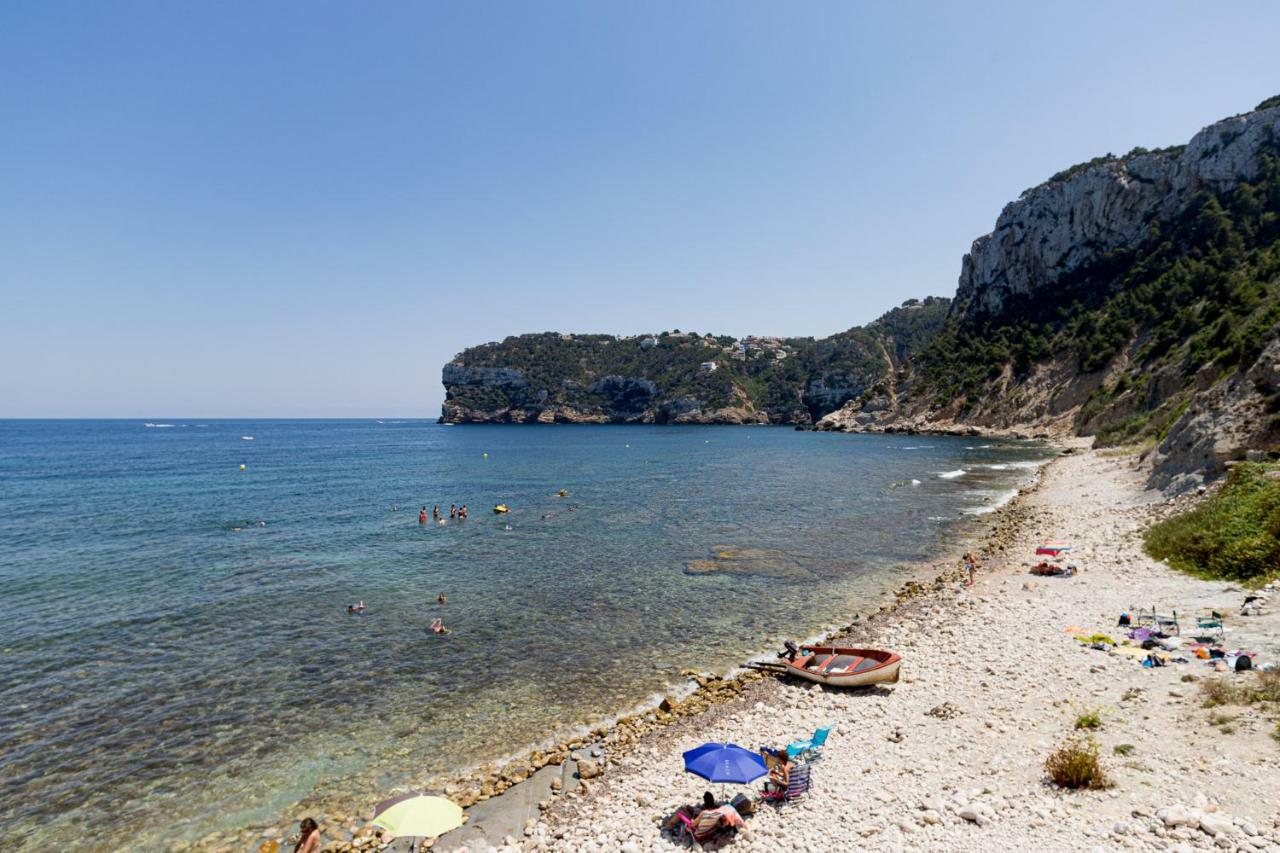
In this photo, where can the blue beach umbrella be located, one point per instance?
(724, 762)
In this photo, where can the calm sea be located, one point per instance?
(176, 655)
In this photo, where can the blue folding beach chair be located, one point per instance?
(811, 748)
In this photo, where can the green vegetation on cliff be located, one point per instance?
(1235, 535)
(792, 380)
(1201, 292)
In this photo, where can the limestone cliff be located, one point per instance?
(1133, 298)
(1074, 220)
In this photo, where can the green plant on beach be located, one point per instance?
(1075, 764)
(1123, 749)
(1234, 535)
(1090, 718)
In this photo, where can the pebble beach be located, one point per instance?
(952, 757)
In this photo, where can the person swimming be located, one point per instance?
(440, 598)
(437, 627)
(356, 608)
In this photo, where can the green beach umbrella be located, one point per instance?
(417, 816)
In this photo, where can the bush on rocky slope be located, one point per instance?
(1233, 535)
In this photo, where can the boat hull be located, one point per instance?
(884, 668)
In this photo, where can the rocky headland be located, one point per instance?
(1134, 299)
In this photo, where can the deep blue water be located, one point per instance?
(177, 656)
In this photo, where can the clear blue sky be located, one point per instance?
(305, 209)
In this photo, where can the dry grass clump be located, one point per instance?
(1243, 689)
(1075, 764)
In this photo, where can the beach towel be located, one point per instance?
(707, 822)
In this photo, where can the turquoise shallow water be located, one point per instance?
(171, 666)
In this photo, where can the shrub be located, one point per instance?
(1075, 764)
(1123, 749)
(1234, 535)
(1243, 689)
(1089, 719)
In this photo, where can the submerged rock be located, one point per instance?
(766, 562)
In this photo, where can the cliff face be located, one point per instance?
(1071, 223)
(680, 378)
(1135, 299)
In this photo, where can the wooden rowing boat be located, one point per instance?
(840, 666)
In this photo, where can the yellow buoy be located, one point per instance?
(486, 455)
(241, 467)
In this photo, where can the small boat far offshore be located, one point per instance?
(841, 666)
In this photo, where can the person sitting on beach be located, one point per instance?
(779, 769)
(708, 820)
(308, 837)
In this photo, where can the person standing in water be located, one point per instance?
(435, 512)
(453, 511)
(422, 516)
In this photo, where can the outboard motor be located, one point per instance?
(790, 651)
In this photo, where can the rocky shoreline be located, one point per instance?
(348, 829)
(565, 797)
(953, 757)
